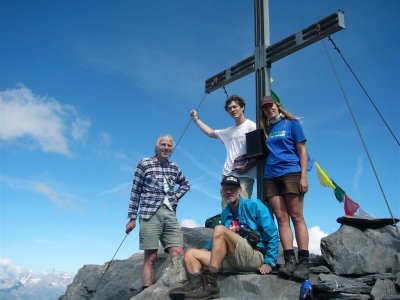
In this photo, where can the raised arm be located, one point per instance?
(203, 126)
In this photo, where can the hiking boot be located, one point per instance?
(180, 292)
(207, 290)
(302, 270)
(290, 264)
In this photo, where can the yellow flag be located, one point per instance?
(323, 177)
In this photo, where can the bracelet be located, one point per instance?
(195, 119)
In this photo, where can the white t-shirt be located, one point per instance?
(234, 139)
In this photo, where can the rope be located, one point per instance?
(226, 93)
(187, 125)
(362, 87)
(360, 134)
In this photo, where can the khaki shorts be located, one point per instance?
(247, 189)
(162, 226)
(286, 184)
(244, 259)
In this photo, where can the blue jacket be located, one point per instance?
(254, 214)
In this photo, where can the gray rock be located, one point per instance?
(250, 285)
(254, 286)
(371, 279)
(341, 296)
(383, 288)
(396, 266)
(336, 284)
(357, 251)
(196, 237)
(115, 283)
(319, 269)
(397, 281)
(174, 275)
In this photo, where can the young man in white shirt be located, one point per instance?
(234, 139)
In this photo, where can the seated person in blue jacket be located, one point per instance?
(246, 240)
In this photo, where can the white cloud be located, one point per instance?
(202, 184)
(197, 185)
(140, 62)
(105, 139)
(103, 147)
(8, 268)
(122, 189)
(203, 167)
(53, 196)
(189, 223)
(315, 235)
(39, 121)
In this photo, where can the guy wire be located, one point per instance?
(187, 125)
(362, 87)
(360, 134)
(226, 93)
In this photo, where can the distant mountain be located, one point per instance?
(29, 286)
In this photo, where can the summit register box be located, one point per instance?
(255, 144)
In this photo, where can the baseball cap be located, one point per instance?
(230, 180)
(268, 100)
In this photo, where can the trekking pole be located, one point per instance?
(109, 264)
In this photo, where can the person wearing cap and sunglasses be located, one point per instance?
(234, 139)
(285, 176)
(246, 240)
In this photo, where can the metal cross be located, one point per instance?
(265, 54)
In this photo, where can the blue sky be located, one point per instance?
(86, 87)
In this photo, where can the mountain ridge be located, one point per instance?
(26, 285)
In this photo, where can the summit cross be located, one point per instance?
(265, 54)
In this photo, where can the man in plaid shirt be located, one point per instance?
(153, 189)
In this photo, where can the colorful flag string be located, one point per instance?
(351, 207)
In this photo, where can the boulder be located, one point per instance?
(384, 289)
(357, 251)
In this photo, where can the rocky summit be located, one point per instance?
(361, 260)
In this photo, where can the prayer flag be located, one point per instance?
(276, 98)
(339, 192)
(323, 177)
(350, 207)
(362, 212)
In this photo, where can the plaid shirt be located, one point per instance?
(148, 187)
